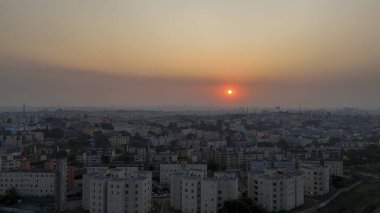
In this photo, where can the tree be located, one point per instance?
(55, 133)
(212, 165)
(283, 144)
(101, 139)
(127, 157)
(172, 126)
(151, 133)
(11, 196)
(105, 159)
(334, 141)
(125, 133)
(107, 126)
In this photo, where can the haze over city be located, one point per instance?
(192, 106)
(127, 53)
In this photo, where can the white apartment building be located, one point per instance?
(118, 140)
(214, 192)
(38, 183)
(122, 189)
(317, 179)
(261, 165)
(287, 164)
(335, 167)
(192, 192)
(97, 169)
(276, 189)
(89, 159)
(166, 170)
(9, 165)
(28, 183)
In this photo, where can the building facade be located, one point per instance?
(122, 189)
(317, 179)
(166, 170)
(276, 189)
(193, 192)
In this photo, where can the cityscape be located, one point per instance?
(152, 161)
(172, 106)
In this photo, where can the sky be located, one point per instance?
(323, 53)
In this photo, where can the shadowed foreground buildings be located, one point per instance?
(193, 192)
(38, 183)
(122, 189)
(317, 179)
(167, 170)
(276, 189)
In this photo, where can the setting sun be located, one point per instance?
(230, 92)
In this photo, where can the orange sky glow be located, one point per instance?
(266, 52)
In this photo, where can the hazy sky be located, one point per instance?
(175, 52)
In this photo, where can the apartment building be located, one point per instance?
(261, 165)
(194, 192)
(118, 140)
(167, 170)
(317, 179)
(37, 182)
(6, 165)
(235, 160)
(114, 190)
(335, 167)
(276, 189)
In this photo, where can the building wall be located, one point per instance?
(260, 165)
(335, 167)
(86, 192)
(209, 195)
(194, 193)
(98, 195)
(316, 180)
(118, 140)
(176, 191)
(28, 184)
(121, 189)
(142, 191)
(60, 183)
(97, 169)
(25, 165)
(276, 191)
(70, 177)
(235, 161)
(10, 165)
(166, 170)
(227, 190)
(116, 195)
(190, 187)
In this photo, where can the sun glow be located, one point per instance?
(230, 94)
(230, 91)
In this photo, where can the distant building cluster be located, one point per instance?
(127, 161)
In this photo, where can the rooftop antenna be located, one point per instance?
(23, 114)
